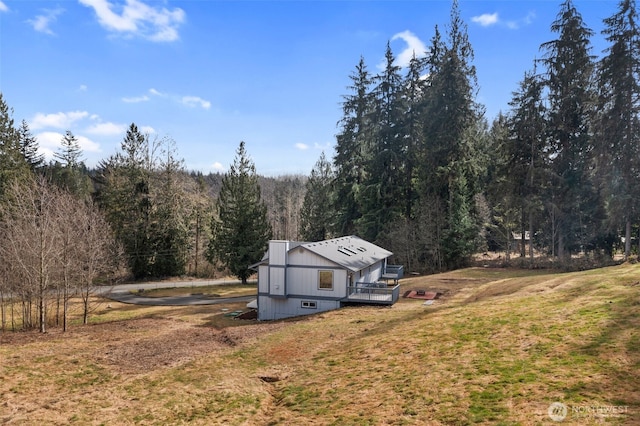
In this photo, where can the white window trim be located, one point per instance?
(309, 304)
(319, 281)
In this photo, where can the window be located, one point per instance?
(325, 280)
(308, 305)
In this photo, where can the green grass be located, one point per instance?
(498, 349)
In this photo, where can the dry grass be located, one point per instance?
(498, 347)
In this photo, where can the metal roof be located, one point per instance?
(352, 253)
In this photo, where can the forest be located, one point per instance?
(417, 169)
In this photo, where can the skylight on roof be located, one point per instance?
(343, 251)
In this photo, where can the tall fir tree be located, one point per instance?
(123, 183)
(315, 218)
(169, 227)
(527, 163)
(569, 79)
(240, 231)
(353, 148)
(29, 147)
(12, 164)
(449, 167)
(382, 190)
(618, 120)
(414, 92)
(69, 173)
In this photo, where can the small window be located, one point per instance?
(308, 304)
(325, 280)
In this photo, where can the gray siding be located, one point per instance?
(270, 308)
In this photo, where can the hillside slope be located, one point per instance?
(499, 346)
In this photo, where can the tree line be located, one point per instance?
(417, 169)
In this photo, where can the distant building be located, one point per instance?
(518, 243)
(297, 278)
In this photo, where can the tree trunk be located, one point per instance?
(531, 237)
(627, 240)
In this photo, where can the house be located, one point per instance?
(297, 278)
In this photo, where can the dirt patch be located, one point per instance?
(179, 344)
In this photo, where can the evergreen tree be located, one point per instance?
(12, 164)
(69, 172)
(70, 153)
(124, 194)
(170, 217)
(29, 147)
(527, 163)
(449, 170)
(241, 230)
(415, 89)
(618, 127)
(352, 150)
(569, 81)
(315, 217)
(382, 191)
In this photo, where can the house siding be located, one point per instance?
(289, 276)
(270, 308)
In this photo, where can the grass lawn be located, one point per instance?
(499, 347)
(218, 290)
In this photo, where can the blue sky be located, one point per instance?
(211, 73)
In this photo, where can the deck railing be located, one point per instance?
(397, 271)
(373, 293)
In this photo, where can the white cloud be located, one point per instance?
(83, 88)
(41, 23)
(489, 19)
(136, 99)
(107, 129)
(137, 18)
(147, 130)
(414, 46)
(60, 120)
(486, 19)
(192, 101)
(302, 146)
(3, 7)
(217, 166)
(155, 92)
(88, 145)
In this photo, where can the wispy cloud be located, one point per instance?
(59, 120)
(189, 101)
(136, 99)
(302, 146)
(135, 18)
(193, 101)
(3, 7)
(486, 19)
(155, 92)
(42, 23)
(414, 46)
(491, 19)
(527, 20)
